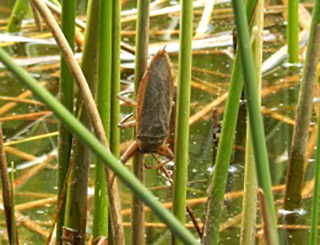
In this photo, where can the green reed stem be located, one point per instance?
(92, 142)
(255, 117)
(100, 214)
(249, 203)
(314, 41)
(18, 13)
(76, 200)
(183, 112)
(220, 174)
(115, 84)
(295, 173)
(141, 61)
(66, 92)
(142, 41)
(293, 31)
(115, 80)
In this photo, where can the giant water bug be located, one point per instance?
(153, 109)
(154, 120)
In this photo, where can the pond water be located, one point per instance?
(36, 169)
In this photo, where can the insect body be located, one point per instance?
(154, 104)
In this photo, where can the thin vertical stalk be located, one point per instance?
(115, 84)
(220, 173)
(100, 150)
(255, 117)
(100, 214)
(76, 200)
(142, 41)
(218, 183)
(183, 112)
(293, 31)
(249, 204)
(138, 213)
(18, 13)
(295, 172)
(7, 195)
(66, 93)
(115, 81)
(314, 41)
(141, 61)
(316, 191)
(14, 227)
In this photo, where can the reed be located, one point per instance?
(76, 200)
(100, 214)
(217, 185)
(183, 112)
(115, 83)
(293, 31)
(14, 228)
(313, 52)
(316, 191)
(7, 195)
(115, 80)
(249, 203)
(141, 61)
(220, 174)
(108, 159)
(18, 13)
(66, 96)
(295, 173)
(255, 118)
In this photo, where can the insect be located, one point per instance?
(154, 122)
(153, 109)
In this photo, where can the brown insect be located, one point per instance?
(153, 109)
(154, 122)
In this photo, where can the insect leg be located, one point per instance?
(132, 149)
(124, 124)
(165, 151)
(188, 208)
(160, 164)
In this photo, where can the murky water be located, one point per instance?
(211, 73)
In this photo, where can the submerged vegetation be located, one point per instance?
(241, 122)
